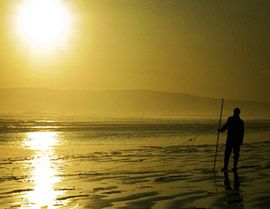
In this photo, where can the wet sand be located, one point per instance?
(137, 176)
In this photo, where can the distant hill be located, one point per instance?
(121, 102)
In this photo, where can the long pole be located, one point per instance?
(219, 124)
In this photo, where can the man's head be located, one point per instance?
(236, 111)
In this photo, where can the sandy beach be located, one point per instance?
(164, 171)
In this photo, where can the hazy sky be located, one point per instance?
(207, 48)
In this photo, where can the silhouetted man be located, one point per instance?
(235, 126)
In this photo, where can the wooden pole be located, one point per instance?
(219, 124)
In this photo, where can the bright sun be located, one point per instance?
(43, 24)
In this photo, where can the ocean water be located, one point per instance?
(120, 162)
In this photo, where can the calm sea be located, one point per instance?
(164, 130)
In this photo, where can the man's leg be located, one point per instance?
(227, 155)
(236, 151)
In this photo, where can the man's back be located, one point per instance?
(235, 126)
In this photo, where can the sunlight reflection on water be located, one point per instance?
(41, 140)
(44, 171)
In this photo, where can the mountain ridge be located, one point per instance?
(121, 102)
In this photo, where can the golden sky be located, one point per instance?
(202, 47)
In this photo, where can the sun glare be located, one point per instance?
(43, 23)
(41, 140)
(44, 171)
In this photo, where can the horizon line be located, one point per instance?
(147, 90)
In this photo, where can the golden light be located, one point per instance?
(44, 170)
(41, 140)
(43, 24)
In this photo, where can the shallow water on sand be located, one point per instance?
(128, 163)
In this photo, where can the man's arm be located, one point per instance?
(225, 126)
(242, 132)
